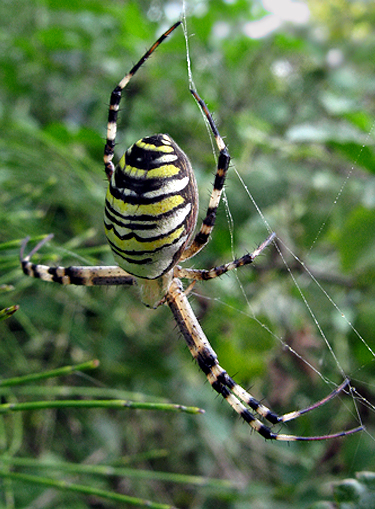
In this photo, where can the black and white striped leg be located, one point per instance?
(86, 276)
(204, 274)
(114, 104)
(239, 399)
(208, 223)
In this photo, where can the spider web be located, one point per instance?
(281, 247)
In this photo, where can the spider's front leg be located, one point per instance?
(239, 399)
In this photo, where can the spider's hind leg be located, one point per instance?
(114, 104)
(203, 235)
(74, 275)
(205, 274)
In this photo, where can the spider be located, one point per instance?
(150, 217)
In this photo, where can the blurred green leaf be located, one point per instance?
(356, 241)
(356, 493)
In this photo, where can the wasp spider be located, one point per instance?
(149, 219)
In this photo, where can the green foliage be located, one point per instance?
(358, 493)
(296, 108)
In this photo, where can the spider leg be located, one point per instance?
(204, 274)
(201, 238)
(87, 276)
(239, 399)
(114, 104)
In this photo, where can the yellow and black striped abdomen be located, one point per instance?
(151, 207)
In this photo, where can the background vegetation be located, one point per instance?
(297, 110)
